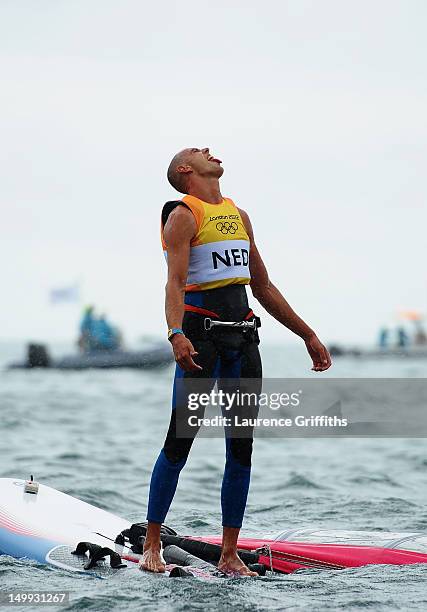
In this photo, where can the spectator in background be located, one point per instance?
(97, 334)
(106, 336)
(402, 337)
(383, 338)
(86, 330)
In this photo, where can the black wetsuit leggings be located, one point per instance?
(227, 357)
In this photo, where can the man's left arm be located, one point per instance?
(275, 304)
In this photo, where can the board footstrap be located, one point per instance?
(98, 553)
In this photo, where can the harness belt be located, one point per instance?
(254, 324)
(212, 319)
(210, 313)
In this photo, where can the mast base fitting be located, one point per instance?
(31, 486)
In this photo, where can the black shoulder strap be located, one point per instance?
(169, 207)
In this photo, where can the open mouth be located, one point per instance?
(214, 159)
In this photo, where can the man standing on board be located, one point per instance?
(212, 256)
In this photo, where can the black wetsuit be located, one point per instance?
(227, 356)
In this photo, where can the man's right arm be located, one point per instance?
(178, 233)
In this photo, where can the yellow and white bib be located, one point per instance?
(219, 251)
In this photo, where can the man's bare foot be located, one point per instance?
(152, 560)
(232, 564)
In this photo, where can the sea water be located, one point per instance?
(96, 434)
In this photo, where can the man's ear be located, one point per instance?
(184, 169)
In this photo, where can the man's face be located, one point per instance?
(203, 163)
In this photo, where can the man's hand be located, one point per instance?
(184, 353)
(319, 354)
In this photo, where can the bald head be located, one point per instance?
(194, 166)
(178, 170)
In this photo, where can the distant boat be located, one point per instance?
(405, 352)
(155, 356)
(396, 341)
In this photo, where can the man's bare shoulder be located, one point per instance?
(180, 224)
(180, 212)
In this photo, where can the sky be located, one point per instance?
(317, 109)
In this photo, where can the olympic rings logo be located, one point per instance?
(226, 227)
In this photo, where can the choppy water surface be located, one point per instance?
(95, 435)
